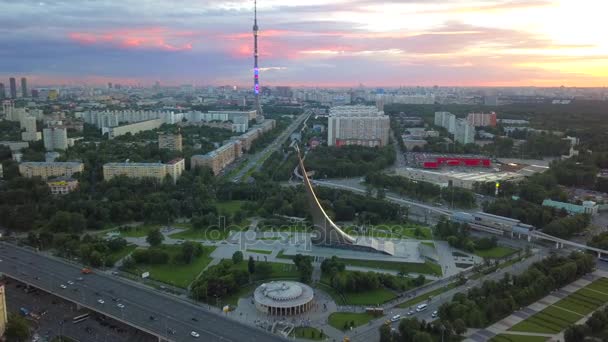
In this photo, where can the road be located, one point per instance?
(255, 160)
(144, 308)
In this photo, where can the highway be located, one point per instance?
(157, 313)
(256, 159)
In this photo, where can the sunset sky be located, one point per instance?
(307, 42)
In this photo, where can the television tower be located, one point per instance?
(256, 69)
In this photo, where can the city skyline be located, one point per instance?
(312, 43)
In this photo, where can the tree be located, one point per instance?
(17, 329)
(190, 250)
(263, 270)
(237, 257)
(155, 237)
(251, 265)
(304, 265)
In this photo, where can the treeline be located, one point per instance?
(91, 250)
(568, 226)
(594, 329)
(421, 190)
(348, 161)
(157, 255)
(356, 281)
(599, 241)
(278, 167)
(494, 300)
(413, 330)
(458, 236)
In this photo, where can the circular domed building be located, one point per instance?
(283, 298)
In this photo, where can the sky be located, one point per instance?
(307, 42)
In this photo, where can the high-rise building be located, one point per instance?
(157, 171)
(446, 120)
(35, 93)
(2, 91)
(357, 125)
(256, 69)
(7, 109)
(55, 138)
(29, 124)
(482, 119)
(24, 87)
(219, 158)
(464, 133)
(170, 141)
(13, 85)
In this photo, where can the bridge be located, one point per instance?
(165, 316)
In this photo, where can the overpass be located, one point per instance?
(167, 317)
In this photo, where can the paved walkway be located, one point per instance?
(503, 326)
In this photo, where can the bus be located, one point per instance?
(80, 318)
(421, 307)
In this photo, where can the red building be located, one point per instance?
(448, 161)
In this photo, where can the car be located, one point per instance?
(152, 318)
(195, 334)
(114, 273)
(70, 282)
(411, 312)
(80, 278)
(194, 319)
(395, 318)
(63, 286)
(100, 301)
(120, 305)
(434, 314)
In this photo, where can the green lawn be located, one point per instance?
(560, 315)
(137, 231)
(201, 234)
(281, 255)
(373, 297)
(259, 251)
(496, 252)
(517, 338)
(428, 243)
(229, 207)
(115, 256)
(308, 333)
(338, 319)
(426, 296)
(233, 299)
(426, 268)
(180, 275)
(333, 293)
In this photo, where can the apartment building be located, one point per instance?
(171, 142)
(357, 125)
(49, 170)
(157, 171)
(219, 158)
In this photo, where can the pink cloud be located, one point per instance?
(147, 38)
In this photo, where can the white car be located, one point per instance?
(195, 334)
(63, 286)
(120, 305)
(434, 314)
(395, 318)
(100, 301)
(70, 282)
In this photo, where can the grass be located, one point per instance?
(229, 207)
(201, 234)
(233, 299)
(137, 231)
(339, 319)
(560, 315)
(428, 243)
(180, 275)
(115, 256)
(333, 293)
(408, 267)
(270, 238)
(281, 255)
(496, 252)
(426, 296)
(259, 251)
(308, 333)
(518, 338)
(372, 297)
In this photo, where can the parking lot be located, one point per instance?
(51, 316)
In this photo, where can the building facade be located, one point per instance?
(24, 87)
(62, 185)
(13, 85)
(446, 120)
(55, 138)
(357, 125)
(133, 128)
(219, 158)
(171, 142)
(28, 123)
(157, 171)
(49, 170)
(464, 133)
(482, 119)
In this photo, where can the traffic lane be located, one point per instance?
(180, 312)
(136, 316)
